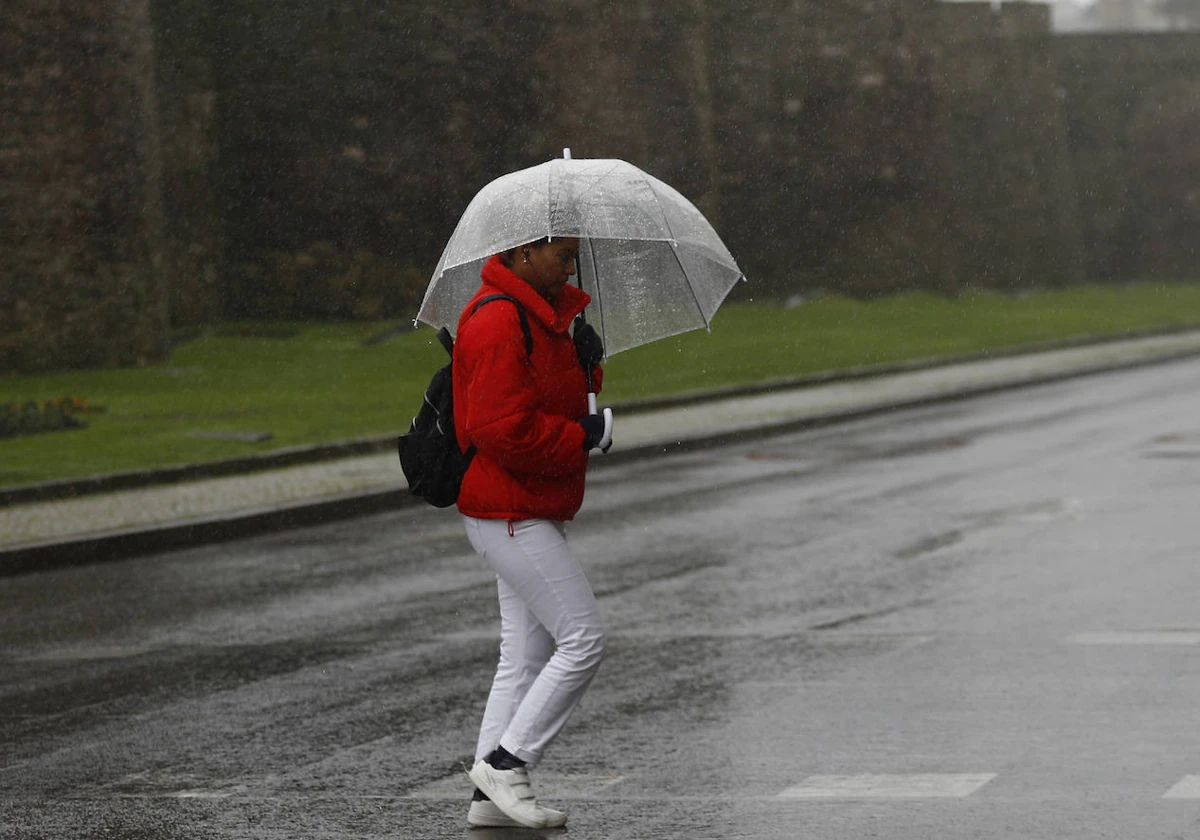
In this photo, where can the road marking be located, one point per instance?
(904, 786)
(1137, 637)
(1188, 788)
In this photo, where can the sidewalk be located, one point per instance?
(107, 526)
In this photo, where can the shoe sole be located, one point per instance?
(492, 822)
(476, 821)
(481, 780)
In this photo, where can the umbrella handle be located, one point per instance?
(606, 439)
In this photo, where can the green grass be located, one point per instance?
(318, 383)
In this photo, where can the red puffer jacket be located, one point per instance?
(520, 411)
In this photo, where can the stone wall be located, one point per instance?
(799, 128)
(827, 145)
(366, 124)
(79, 186)
(857, 145)
(635, 83)
(1132, 106)
(1005, 163)
(193, 229)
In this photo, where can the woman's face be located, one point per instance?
(550, 266)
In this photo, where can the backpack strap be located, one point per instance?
(520, 312)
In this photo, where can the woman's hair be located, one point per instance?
(507, 257)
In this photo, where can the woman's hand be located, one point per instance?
(593, 430)
(588, 346)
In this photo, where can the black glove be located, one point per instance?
(588, 346)
(593, 430)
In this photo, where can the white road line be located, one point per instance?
(904, 786)
(1137, 637)
(1187, 788)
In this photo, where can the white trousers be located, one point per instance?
(551, 636)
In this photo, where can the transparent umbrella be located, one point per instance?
(651, 262)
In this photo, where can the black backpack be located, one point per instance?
(429, 453)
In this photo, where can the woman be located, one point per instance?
(524, 408)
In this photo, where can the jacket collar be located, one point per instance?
(557, 318)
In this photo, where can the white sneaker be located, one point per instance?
(509, 791)
(484, 814)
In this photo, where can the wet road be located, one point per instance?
(977, 620)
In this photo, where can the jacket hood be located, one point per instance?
(557, 318)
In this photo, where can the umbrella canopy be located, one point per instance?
(651, 262)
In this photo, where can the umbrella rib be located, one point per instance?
(596, 278)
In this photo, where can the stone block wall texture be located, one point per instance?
(79, 165)
(828, 150)
(1132, 107)
(634, 83)
(1006, 167)
(856, 145)
(192, 242)
(369, 125)
(799, 128)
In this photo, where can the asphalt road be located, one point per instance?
(975, 620)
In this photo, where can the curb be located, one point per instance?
(128, 543)
(108, 546)
(53, 491)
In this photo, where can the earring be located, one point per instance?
(526, 252)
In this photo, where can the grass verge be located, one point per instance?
(319, 383)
